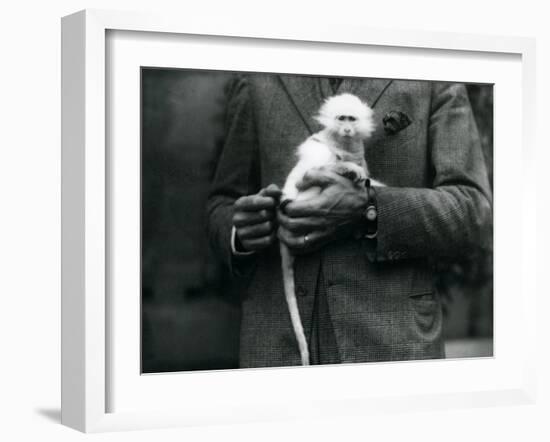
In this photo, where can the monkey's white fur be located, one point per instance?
(338, 147)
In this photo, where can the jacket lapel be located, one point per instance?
(305, 94)
(368, 89)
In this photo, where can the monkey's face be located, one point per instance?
(346, 126)
(346, 117)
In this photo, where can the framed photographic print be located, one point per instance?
(250, 213)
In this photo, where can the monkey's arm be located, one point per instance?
(455, 215)
(237, 175)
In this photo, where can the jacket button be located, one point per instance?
(301, 291)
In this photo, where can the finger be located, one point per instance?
(243, 218)
(259, 243)
(256, 230)
(253, 203)
(287, 237)
(298, 242)
(318, 178)
(318, 238)
(313, 207)
(272, 191)
(301, 224)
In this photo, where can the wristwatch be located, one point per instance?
(371, 213)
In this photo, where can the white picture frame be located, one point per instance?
(86, 355)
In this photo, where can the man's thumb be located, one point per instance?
(272, 191)
(314, 178)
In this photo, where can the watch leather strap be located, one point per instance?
(371, 212)
(371, 222)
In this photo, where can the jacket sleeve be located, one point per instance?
(237, 174)
(454, 215)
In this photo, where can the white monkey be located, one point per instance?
(338, 147)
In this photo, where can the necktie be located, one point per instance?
(335, 83)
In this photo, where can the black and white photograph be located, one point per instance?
(293, 220)
(275, 221)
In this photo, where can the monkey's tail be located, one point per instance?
(287, 261)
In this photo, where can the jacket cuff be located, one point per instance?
(234, 244)
(241, 264)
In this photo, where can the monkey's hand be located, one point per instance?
(254, 219)
(330, 215)
(349, 170)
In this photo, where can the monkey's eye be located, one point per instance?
(352, 118)
(341, 118)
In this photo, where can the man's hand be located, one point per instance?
(325, 217)
(254, 219)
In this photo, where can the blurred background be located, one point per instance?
(190, 317)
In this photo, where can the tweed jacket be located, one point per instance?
(437, 203)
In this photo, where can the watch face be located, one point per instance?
(371, 213)
(371, 221)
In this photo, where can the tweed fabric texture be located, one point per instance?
(323, 348)
(437, 203)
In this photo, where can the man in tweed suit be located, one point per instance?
(360, 299)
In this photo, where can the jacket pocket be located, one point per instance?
(426, 311)
(424, 302)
